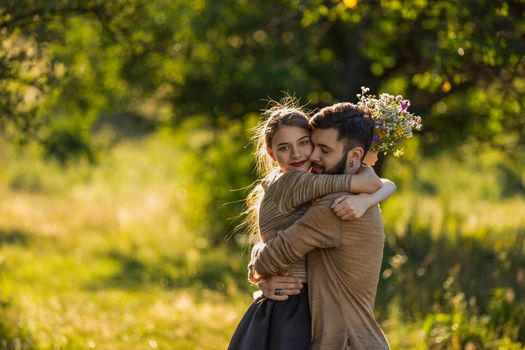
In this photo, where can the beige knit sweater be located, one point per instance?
(343, 275)
(286, 199)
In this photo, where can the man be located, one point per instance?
(344, 257)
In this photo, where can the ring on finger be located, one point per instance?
(278, 291)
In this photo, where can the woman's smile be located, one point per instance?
(298, 164)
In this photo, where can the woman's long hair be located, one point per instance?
(286, 112)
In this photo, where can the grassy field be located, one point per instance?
(116, 256)
(100, 257)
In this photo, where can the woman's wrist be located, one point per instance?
(368, 199)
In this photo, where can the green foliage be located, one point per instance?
(462, 326)
(507, 317)
(454, 258)
(158, 213)
(218, 170)
(460, 62)
(65, 144)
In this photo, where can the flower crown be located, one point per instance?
(392, 119)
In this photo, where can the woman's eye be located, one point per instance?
(283, 148)
(304, 143)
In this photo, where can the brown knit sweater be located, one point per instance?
(286, 195)
(343, 276)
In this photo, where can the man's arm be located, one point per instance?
(318, 228)
(287, 285)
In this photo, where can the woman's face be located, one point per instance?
(291, 148)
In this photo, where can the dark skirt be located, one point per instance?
(275, 325)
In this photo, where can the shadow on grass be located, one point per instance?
(14, 237)
(213, 271)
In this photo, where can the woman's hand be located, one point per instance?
(366, 181)
(287, 285)
(350, 207)
(370, 158)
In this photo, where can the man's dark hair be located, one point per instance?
(355, 127)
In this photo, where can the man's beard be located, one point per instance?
(339, 168)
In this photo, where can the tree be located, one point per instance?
(59, 69)
(63, 64)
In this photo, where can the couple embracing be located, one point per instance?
(321, 244)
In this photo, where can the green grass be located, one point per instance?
(119, 255)
(100, 257)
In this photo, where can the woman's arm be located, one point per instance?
(295, 188)
(366, 181)
(350, 207)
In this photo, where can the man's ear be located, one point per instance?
(356, 154)
(270, 152)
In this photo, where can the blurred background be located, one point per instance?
(125, 159)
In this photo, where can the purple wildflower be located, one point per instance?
(375, 138)
(404, 105)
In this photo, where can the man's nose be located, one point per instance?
(314, 157)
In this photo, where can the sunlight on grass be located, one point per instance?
(73, 236)
(113, 256)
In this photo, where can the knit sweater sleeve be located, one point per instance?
(295, 188)
(318, 228)
(251, 265)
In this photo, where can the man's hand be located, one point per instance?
(350, 207)
(287, 285)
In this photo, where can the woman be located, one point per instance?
(282, 198)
